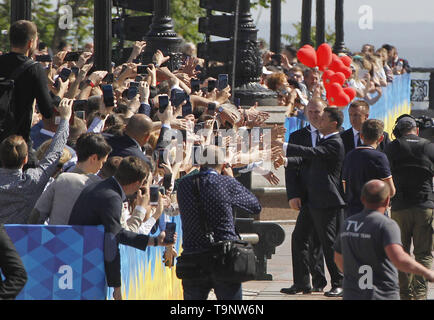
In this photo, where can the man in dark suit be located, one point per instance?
(135, 136)
(307, 255)
(13, 275)
(101, 204)
(137, 133)
(359, 113)
(324, 187)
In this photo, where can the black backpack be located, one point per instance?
(7, 85)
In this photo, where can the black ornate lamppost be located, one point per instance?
(320, 22)
(276, 26)
(21, 10)
(103, 35)
(306, 22)
(162, 35)
(249, 62)
(339, 22)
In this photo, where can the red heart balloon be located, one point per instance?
(330, 99)
(337, 96)
(335, 89)
(326, 77)
(342, 100)
(346, 60)
(307, 56)
(346, 71)
(338, 77)
(324, 56)
(337, 65)
(351, 92)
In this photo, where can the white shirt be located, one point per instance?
(313, 135)
(356, 137)
(356, 84)
(331, 134)
(97, 125)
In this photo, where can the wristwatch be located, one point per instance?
(155, 241)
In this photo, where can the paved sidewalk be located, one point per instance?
(280, 267)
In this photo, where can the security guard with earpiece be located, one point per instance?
(412, 163)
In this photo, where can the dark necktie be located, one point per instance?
(359, 142)
(317, 138)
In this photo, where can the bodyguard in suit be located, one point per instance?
(359, 113)
(307, 255)
(324, 187)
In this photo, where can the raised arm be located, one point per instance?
(48, 165)
(325, 151)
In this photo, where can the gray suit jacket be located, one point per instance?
(58, 199)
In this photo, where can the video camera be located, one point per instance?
(424, 123)
(426, 127)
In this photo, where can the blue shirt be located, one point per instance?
(218, 194)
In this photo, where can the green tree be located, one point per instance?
(185, 15)
(46, 15)
(42, 15)
(82, 26)
(262, 3)
(295, 39)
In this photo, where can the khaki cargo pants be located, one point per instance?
(416, 224)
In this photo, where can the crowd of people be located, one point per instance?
(372, 70)
(88, 147)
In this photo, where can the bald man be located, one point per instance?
(369, 251)
(135, 136)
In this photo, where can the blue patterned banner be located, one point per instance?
(62, 262)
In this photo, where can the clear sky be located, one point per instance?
(383, 10)
(407, 24)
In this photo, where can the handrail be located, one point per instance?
(422, 70)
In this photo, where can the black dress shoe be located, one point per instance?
(295, 290)
(335, 292)
(317, 289)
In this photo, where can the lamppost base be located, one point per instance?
(253, 92)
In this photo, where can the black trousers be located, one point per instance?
(307, 253)
(327, 224)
